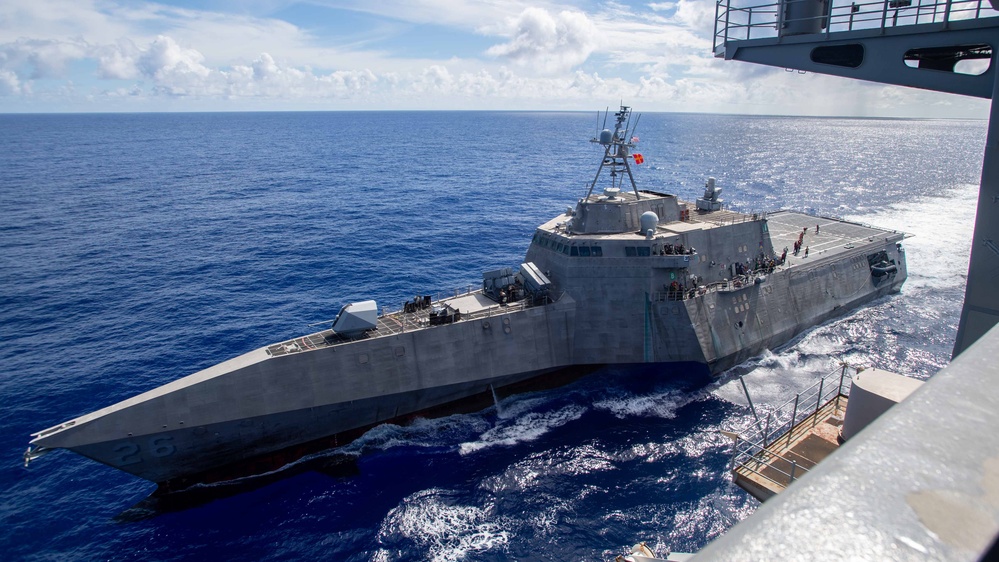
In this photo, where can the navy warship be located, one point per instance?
(627, 276)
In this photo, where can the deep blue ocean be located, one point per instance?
(135, 249)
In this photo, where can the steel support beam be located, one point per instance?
(883, 59)
(981, 297)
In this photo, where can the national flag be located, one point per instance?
(638, 158)
(634, 139)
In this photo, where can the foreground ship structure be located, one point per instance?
(628, 276)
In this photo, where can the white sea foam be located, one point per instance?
(937, 254)
(422, 432)
(658, 405)
(937, 258)
(525, 427)
(772, 377)
(514, 406)
(446, 532)
(538, 469)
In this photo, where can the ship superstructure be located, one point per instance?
(628, 276)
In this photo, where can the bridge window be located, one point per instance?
(584, 251)
(641, 251)
(597, 251)
(574, 251)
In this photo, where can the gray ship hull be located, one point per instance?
(616, 281)
(222, 451)
(737, 325)
(259, 403)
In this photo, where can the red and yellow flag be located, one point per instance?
(638, 158)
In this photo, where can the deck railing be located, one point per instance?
(737, 20)
(736, 283)
(392, 322)
(782, 424)
(728, 217)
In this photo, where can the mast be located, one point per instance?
(617, 149)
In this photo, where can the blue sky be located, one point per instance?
(275, 55)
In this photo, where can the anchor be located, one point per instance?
(33, 452)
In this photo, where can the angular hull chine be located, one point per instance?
(182, 454)
(265, 404)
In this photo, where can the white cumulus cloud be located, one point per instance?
(100, 55)
(9, 83)
(40, 58)
(166, 59)
(696, 14)
(117, 62)
(548, 43)
(655, 87)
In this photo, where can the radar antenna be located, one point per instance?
(617, 149)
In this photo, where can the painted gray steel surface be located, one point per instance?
(616, 299)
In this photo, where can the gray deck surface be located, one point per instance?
(835, 237)
(471, 305)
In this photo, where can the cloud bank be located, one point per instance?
(89, 55)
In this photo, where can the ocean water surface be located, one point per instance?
(140, 248)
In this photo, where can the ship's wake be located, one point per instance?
(937, 257)
(441, 526)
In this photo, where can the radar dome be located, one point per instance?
(606, 136)
(649, 221)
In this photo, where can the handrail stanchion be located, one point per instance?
(827, 17)
(714, 39)
(780, 18)
(818, 402)
(794, 414)
(750, 400)
(842, 375)
(728, 11)
(794, 466)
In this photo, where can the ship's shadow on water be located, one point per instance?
(332, 465)
(519, 417)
